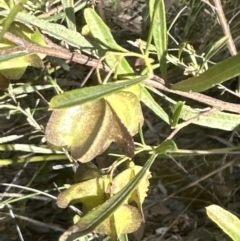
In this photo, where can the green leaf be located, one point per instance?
(126, 219)
(90, 193)
(177, 113)
(14, 54)
(139, 194)
(217, 74)
(94, 218)
(60, 15)
(228, 222)
(148, 100)
(84, 95)
(70, 15)
(10, 17)
(14, 68)
(101, 32)
(216, 119)
(165, 147)
(57, 31)
(3, 4)
(159, 29)
(27, 148)
(216, 47)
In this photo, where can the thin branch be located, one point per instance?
(192, 184)
(36, 222)
(215, 103)
(55, 52)
(225, 26)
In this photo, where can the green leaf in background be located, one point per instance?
(101, 32)
(57, 31)
(149, 101)
(126, 219)
(228, 222)
(165, 147)
(27, 148)
(159, 31)
(217, 74)
(14, 68)
(70, 15)
(15, 54)
(94, 218)
(216, 119)
(216, 47)
(10, 17)
(3, 4)
(90, 193)
(177, 110)
(79, 5)
(84, 95)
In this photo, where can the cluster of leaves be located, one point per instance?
(96, 191)
(89, 119)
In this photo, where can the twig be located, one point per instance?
(225, 27)
(174, 194)
(215, 103)
(226, 30)
(55, 52)
(13, 216)
(83, 59)
(35, 222)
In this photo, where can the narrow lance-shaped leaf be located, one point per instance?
(70, 15)
(10, 17)
(159, 29)
(101, 32)
(57, 31)
(228, 222)
(149, 101)
(216, 119)
(84, 95)
(217, 74)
